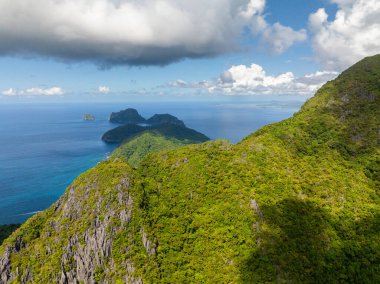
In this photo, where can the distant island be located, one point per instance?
(88, 117)
(131, 116)
(139, 136)
(164, 124)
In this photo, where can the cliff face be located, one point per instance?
(80, 233)
(295, 202)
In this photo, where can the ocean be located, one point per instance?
(44, 147)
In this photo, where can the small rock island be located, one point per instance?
(88, 117)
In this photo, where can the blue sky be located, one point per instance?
(166, 49)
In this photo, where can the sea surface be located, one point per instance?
(44, 147)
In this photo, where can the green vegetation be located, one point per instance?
(137, 148)
(6, 231)
(295, 202)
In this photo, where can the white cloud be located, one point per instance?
(253, 80)
(104, 89)
(54, 91)
(278, 38)
(142, 32)
(177, 83)
(353, 34)
(9, 92)
(274, 38)
(35, 91)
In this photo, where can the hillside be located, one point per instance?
(295, 202)
(137, 148)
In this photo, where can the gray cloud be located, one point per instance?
(121, 32)
(128, 32)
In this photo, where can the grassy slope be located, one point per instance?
(295, 202)
(136, 149)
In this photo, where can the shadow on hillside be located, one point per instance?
(300, 243)
(6, 231)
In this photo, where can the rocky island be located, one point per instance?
(161, 132)
(88, 117)
(127, 116)
(163, 124)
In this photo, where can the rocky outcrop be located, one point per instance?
(151, 248)
(91, 252)
(6, 273)
(84, 222)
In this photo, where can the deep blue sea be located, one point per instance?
(44, 147)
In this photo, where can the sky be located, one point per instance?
(104, 50)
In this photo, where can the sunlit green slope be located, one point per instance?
(295, 202)
(137, 148)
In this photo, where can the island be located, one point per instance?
(158, 119)
(127, 116)
(88, 117)
(161, 132)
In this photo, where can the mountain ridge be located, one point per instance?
(294, 202)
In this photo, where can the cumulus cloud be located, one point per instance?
(253, 80)
(9, 92)
(353, 34)
(278, 38)
(35, 91)
(104, 89)
(133, 32)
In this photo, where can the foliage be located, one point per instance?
(137, 148)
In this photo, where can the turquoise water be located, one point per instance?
(45, 147)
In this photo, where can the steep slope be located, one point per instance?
(137, 148)
(295, 202)
(79, 237)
